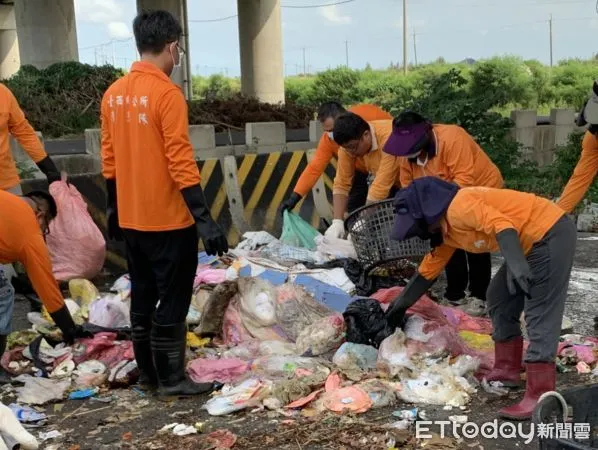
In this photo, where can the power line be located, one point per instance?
(342, 2)
(221, 19)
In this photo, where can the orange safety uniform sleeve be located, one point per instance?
(583, 175)
(434, 262)
(20, 128)
(385, 178)
(345, 170)
(36, 259)
(326, 149)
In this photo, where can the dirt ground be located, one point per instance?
(132, 420)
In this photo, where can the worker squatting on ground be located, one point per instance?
(13, 123)
(450, 153)
(23, 224)
(362, 144)
(537, 241)
(328, 148)
(155, 199)
(587, 167)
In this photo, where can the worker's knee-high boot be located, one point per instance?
(168, 348)
(507, 362)
(4, 375)
(141, 327)
(541, 378)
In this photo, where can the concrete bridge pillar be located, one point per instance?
(260, 42)
(9, 44)
(47, 31)
(178, 8)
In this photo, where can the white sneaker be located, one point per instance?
(474, 307)
(447, 302)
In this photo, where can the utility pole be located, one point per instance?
(550, 31)
(304, 66)
(415, 48)
(347, 54)
(405, 36)
(113, 54)
(95, 54)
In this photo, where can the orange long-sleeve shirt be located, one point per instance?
(146, 147)
(327, 149)
(13, 122)
(383, 166)
(459, 159)
(583, 175)
(21, 241)
(477, 214)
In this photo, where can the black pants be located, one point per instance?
(162, 268)
(359, 191)
(466, 269)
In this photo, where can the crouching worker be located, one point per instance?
(23, 224)
(362, 145)
(537, 242)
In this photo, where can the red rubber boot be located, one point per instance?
(507, 363)
(541, 378)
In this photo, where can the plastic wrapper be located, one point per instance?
(287, 366)
(73, 228)
(233, 330)
(213, 313)
(123, 373)
(122, 286)
(296, 310)
(393, 357)
(90, 374)
(223, 370)
(110, 311)
(258, 301)
(441, 388)
(323, 336)
(355, 356)
(208, 275)
(39, 391)
(249, 393)
(287, 255)
(296, 232)
(84, 293)
(335, 248)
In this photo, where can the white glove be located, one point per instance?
(10, 425)
(336, 230)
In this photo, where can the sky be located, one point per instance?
(371, 31)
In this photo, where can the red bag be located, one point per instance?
(77, 246)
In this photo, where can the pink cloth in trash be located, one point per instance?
(206, 275)
(103, 347)
(233, 330)
(224, 370)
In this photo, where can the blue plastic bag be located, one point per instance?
(296, 232)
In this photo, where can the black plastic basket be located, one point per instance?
(582, 402)
(370, 228)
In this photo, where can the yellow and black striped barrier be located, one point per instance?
(243, 193)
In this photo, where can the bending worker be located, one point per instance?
(587, 167)
(362, 145)
(450, 153)
(537, 241)
(155, 201)
(328, 148)
(24, 222)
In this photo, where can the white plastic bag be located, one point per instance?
(258, 301)
(335, 248)
(110, 312)
(393, 355)
(355, 356)
(38, 391)
(77, 246)
(249, 393)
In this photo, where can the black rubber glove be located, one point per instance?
(213, 238)
(48, 168)
(416, 287)
(114, 230)
(519, 275)
(290, 203)
(63, 320)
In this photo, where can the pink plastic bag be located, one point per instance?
(76, 244)
(223, 370)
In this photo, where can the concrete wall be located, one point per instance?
(9, 44)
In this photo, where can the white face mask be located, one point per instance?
(330, 135)
(422, 163)
(176, 67)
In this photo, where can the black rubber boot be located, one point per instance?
(141, 327)
(168, 348)
(5, 377)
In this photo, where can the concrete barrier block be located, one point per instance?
(93, 141)
(315, 130)
(524, 118)
(587, 222)
(265, 133)
(203, 137)
(562, 116)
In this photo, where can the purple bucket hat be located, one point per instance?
(404, 139)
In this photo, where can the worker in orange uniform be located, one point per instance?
(13, 123)
(328, 148)
(537, 241)
(155, 201)
(587, 167)
(362, 145)
(450, 153)
(24, 222)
